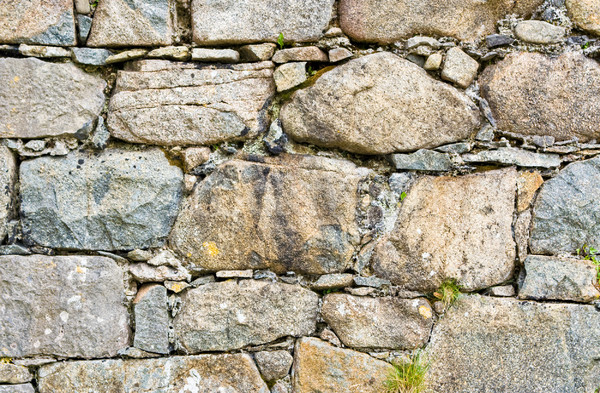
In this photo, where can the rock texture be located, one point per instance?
(379, 104)
(151, 319)
(452, 228)
(496, 344)
(291, 213)
(114, 200)
(185, 104)
(229, 315)
(534, 94)
(8, 178)
(539, 32)
(273, 365)
(387, 21)
(566, 214)
(585, 14)
(236, 22)
(383, 322)
(46, 99)
(13, 374)
(321, 367)
(21, 388)
(64, 306)
(204, 373)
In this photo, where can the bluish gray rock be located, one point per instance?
(514, 156)
(85, 24)
(151, 319)
(8, 177)
(423, 160)
(90, 56)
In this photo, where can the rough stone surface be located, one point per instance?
(126, 56)
(585, 14)
(321, 367)
(533, 94)
(46, 99)
(84, 24)
(91, 56)
(170, 52)
(113, 200)
(332, 281)
(434, 62)
(132, 23)
(539, 32)
(339, 54)
(37, 22)
(12, 373)
(503, 345)
(289, 75)
(257, 52)
(528, 183)
(306, 53)
(21, 388)
(238, 22)
(567, 213)
(235, 373)
(43, 51)
(452, 228)
(521, 227)
(273, 365)
(503, 291)
(215, 55)
(192, 105)
(64, 306)
(195, 156)
(459, 68)
(550, 278)
(290, 213)
(514, 156)
(151, 319)
(228, 315)
(422, 160)
(382, 322)
(379, 104)
(142, 272)
(8, 178)
(387, 21)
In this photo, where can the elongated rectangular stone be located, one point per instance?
(151, 319)
(8, 178)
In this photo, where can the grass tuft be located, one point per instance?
(591, 254)
(408, 377)
(448, 292)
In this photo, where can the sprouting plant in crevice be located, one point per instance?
(408, 377)
(448, 292)
(280, 41)
(589, 253)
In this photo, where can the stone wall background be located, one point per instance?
(265, 196)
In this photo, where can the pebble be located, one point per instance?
(289, 75)
(434, 62)
(496, 40)
(339, 54)
(539, 32)
(459, 68)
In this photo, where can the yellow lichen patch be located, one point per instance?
(425, 312)
(5, 360)
(16, 79)
(177, 287)
(210, 248)
(79, 269)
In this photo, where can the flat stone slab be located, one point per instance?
(151, 319)
(566, 214)
(291, 213)
(8, 178)
(235, 373)
(534, 94)
(382, 322)
(37, 22)
(71, 306)
(113, 200)
(227, 315)
(514, 156)
(42, 99)
(379, 104)
(238, 22)
(452, 228)
(188, 104)
(504, 345)
(20, 388)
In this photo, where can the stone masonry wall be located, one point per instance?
(270, 196)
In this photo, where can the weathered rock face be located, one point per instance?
(566, 214)
(452, 228)
(235, 22)
(114, 200)
(382, 322)
(379, 104)
(585, 14)
(204, 373)
(21, 388)
(533, 94)
(8, 177)
(321, 367)
(46, 99)
(291, 213)
(151, 319)
(132, 23)
(386, 21)
(37, 22)
(229, 315)
(186, 104)
(64, 306)
(273, 365)
(11, 373)
(494, 344)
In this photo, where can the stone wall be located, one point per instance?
(267, 196)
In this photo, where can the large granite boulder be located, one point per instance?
(8, 178)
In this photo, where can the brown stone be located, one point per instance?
(585, 14)
(528, 182)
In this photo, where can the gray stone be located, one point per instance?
(486, 134)
(171, 53)
(31, 22)
(551, 278)
(496, 40)
(459, 68)
(176, 286)
(305, 53)
(135, 353)
(235, 373)
(338, 54)
(84, 24)
(257, 52)
(417, 41)
(215, 55)
(234, 274)
(539, 32)
(202, 281)
(535, 94)
(139, 255)
(333, 281)
(514, 156)
(566, 214)
(8, 178)
(120, 23)
(43, 51)
(90, 56)
(70, 306)
(192, 105)
(521, 228)
(22, 388)
(504, 345)
(503, 291)
(101, 135)
(46, 99)
(273, 365)
(371, 281)
(422, 160)
(194, 157)
(452, 228)
(376, 323)
(456, 148)
(282, 387)
(388, 21)
(142, 272)
(112, 200)
(14, 249)
(127, 55)
(433, 62)
(379, 104)
(228, 315)
(585, 14)
(290, 213)
(151, 319)
(12, 373)
(165, 257)
(82, 6)
(289, 75)
(235, 22)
